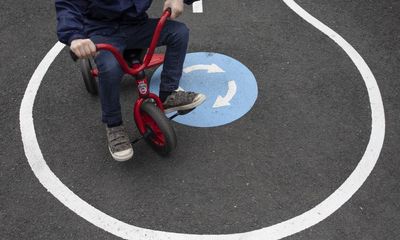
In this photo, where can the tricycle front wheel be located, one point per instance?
(158, 130)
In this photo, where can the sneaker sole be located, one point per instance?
(197, 101)
(121, 158)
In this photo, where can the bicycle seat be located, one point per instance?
(133, 56)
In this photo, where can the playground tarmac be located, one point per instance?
(315, 156)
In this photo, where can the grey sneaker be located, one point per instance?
(118, 143)
(180, 100)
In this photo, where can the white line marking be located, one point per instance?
(198, 6)
(212, 68)
(225, 101)
(277, 231)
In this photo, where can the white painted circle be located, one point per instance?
(277, 231)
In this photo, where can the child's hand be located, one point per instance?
(176, 7)
(83, 48)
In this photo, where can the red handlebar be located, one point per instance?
(150, 51)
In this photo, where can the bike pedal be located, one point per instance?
(184, 112)
(137, 140)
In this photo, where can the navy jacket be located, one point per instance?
(80, 18)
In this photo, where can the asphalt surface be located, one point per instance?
(304, 136)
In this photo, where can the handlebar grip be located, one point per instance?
(167, 13)
(73, 56)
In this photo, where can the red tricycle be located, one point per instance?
(148, 111)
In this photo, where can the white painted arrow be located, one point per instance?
(180, 89)
(213, 68)
(224, 101)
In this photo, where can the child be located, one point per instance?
(125, 24)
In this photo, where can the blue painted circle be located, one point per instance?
(215, 85)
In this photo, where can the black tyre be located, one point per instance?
(90, 81)
(159, 132)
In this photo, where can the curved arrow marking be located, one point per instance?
(224, 101)
(180, 89)
(213, 68)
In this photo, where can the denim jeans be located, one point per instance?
(175, 36)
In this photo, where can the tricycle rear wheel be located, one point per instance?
(90, 81)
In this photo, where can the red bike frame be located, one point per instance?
(137, 70)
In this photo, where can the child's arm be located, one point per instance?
(176, 6)
(70, 19)
(70, 26)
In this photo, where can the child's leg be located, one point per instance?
(175, 36)
(110, 75)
